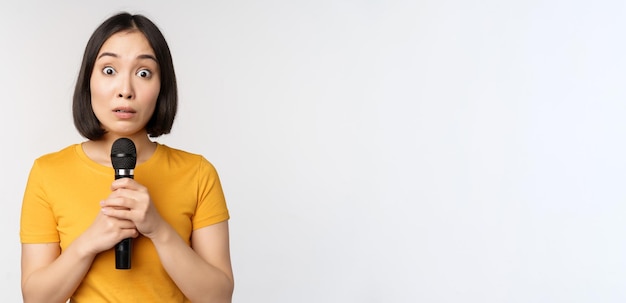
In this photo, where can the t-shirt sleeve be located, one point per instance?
(211, 206)
(37, 221)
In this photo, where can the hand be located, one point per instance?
(131, 201)
(105, 232)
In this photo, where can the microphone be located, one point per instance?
(123, 158)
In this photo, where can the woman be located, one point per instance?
(74, 212)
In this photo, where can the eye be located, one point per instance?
(108, 70)
(144, 73)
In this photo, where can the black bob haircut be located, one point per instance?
(162, 119)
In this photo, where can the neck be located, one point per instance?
(100, 150)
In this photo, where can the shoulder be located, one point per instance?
(178, 154)
(58, 157)
(53, 165)
(183, 158)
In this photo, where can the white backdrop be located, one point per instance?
(370, 151)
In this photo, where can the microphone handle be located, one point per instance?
(122, 254)
(123, 248)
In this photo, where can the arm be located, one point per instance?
(203, 271)
(51, 276)
(43, 265)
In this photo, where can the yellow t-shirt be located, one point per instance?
(62, 199)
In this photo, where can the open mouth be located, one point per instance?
(123, 110)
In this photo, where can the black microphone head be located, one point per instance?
(123, 154)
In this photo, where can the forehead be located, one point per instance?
(129, 43)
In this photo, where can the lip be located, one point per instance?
(124, 112)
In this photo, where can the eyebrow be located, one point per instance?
(143, 56)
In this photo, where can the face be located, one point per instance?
(125, 84)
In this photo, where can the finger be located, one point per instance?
(119, 201)
(119, 193)
(126, 183)
(121, 183)
(125, 224)
(129, 233)
(119, 213)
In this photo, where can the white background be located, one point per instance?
(370, 151)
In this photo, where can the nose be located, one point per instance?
(125, 95)
(126, 88)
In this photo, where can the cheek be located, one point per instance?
(155, 94)
(100, 96)
(96, 95)
(152, 94)
(97, 89)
